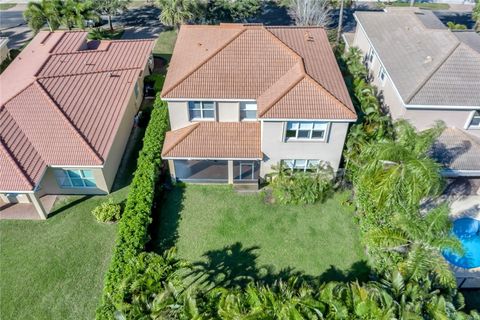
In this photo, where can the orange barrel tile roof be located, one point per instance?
(62, 102)
(293, 67)
(214, 140)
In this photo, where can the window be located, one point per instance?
(302, 165)
(75, 178)
(135, 89)
(248, 111)
(371, 55)
(306, 131)
(382, 75)
(475, 123)
(201, 110)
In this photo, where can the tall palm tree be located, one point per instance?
(74, 13)
(399, 173)
(421, 241)
(44, 12)
(176, 12)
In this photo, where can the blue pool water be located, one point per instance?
(468, 231)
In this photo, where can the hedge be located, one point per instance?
(133, 226)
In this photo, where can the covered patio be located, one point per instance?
(26, 211)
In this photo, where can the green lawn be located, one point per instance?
(6, 6)
(165, 44)
(54, 269)
(231, 237)
(423, 5)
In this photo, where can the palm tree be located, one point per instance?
(399, 173)
(74, 13)
(44, 12)
(420, 240)
(111, 8)
(176, 12)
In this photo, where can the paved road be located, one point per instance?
(13, 26)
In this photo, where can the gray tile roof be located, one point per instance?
(429, 65)
(457, 150)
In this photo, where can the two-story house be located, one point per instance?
(243, 98)
(426, 72)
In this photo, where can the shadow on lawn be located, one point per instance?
(236, 266)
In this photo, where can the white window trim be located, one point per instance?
(72, 186)
(201, 109)
(470, 119)
(380, 72)
(324, 139)
(244, 103)
(305, 167)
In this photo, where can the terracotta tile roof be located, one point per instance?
(57, 113)
(214, 140)
(255, 62)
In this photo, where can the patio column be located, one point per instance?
(38, 205)
(230, 171)
(171, 168)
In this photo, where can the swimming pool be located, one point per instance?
(468, 231)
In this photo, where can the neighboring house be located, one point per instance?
(66, 112)
(425, 73)
(243, 98)
(3, 49)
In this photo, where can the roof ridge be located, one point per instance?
(429, 76)
(219, 49)
(289, 88)
(85, 73)
(14, 161)
(182, 137)
(293, 52)
(68, 122)
(329, 93)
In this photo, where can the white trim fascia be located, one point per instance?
(460, 173)
(469, 119)
(210, 158)
(207, 99)
(69, 166)
(29, 192)
(308, 120)
(440, 107)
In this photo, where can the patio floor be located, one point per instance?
(25, 211)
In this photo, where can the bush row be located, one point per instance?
(133, 226)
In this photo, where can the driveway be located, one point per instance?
(13, 26)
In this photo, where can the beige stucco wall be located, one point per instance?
(228, 111)
(3, 49)
(275, 148)
(420, 118)
(178, 113)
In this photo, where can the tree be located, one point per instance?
(310, 12)
(421, 241)
(399, 173)
(111, 8)
(176, 12)
(476, 15)
(74, 13)
(340, 23)
(230, 11)
(44, 12)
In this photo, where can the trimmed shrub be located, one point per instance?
(133, 226)
(107, 211)
(292, 187)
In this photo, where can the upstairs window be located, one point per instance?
(382, 75)
(475, 123)
(75, 178)
(371, 55)
(248, 111)
(201, 110)
(306, 131)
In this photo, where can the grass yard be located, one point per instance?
(231, 237)
(6, 6)
(423, 5)
(165, 44)
(54, 269)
